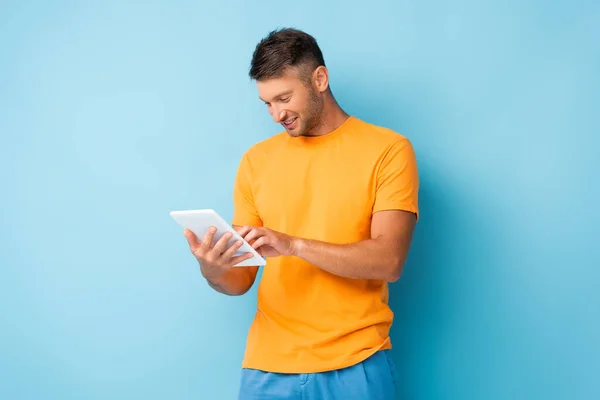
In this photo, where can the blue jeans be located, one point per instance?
(372, 379)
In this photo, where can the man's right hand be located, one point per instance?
(215, 259)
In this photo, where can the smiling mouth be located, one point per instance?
(290, 123)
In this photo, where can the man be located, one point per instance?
(331, 202)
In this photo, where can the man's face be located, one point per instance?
(291, 103)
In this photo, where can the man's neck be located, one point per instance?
(333, 116)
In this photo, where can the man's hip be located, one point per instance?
(371, 379)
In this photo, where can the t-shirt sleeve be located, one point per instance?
(398, 179)
(244, 208)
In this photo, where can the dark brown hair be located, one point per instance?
(282, 49)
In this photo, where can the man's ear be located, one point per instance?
(321, 78)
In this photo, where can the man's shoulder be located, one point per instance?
(377, 134)
(265, 147)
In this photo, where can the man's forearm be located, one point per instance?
(367, 259)
(235, 282)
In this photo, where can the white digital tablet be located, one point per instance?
(199, 221)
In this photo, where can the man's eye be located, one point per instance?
(285, 99)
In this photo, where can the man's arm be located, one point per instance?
(381, 257)
(236, 282)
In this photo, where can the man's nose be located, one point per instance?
(278, 115)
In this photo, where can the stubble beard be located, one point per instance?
(314, 115)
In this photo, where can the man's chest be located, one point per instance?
(316, 197)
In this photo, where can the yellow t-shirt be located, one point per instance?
(323, 188)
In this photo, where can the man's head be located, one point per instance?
(292, 79)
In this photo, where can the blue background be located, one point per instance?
(114, 113)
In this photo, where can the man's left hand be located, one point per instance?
(270, 243)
